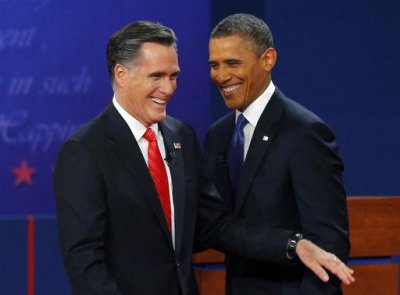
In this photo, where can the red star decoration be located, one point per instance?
(23, 173)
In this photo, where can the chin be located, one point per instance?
(230, 105)
(158, 119)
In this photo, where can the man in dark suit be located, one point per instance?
(289, 174)
(126, 183)
(118, 235)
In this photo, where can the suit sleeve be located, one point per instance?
(316, 170)
(82, 217)
(217, 227)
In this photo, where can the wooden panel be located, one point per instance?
(374, 280)
(211, 282)
(374, 226)
(374, 232)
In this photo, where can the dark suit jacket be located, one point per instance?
(113, 232)
(291, 179)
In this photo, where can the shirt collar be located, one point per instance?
(253, 112)
(137, 128)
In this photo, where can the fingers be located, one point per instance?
(330, 262)
(319, 260)
(309, 254)
(319, 272)
(338, 268)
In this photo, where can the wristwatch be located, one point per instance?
(292, 244)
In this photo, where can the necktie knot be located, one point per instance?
(241, 122)
(150, 135)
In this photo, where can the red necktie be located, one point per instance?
(158, 174)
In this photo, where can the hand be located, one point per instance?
(319, 260)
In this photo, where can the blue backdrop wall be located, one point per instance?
(53, 78)
(341, 59)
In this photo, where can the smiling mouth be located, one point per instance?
(158, 101)
(230, 89)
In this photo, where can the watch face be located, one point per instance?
(292, 244)
(299, 236)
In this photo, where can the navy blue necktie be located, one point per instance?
(236, 153)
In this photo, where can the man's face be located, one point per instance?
(238, 72)
(149, 83)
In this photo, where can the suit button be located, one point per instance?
(178, 264)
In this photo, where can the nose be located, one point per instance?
(168, 86)
(221, 75)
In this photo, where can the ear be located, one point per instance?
(269, 59)
(121, 75)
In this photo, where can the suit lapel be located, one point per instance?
(262, 139)
(173, 150)
(127, 150)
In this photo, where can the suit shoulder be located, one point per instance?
(298, 117)
(178, 125)
(91, 130)
(221, 122)
(299, 113)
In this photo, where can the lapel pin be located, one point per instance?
(265, 138)
(177, 145)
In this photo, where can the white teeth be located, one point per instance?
(158, 101)
(231, 88)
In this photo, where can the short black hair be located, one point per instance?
(247, 26)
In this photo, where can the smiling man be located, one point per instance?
(145, 86)
(125, 183)
(276, 165)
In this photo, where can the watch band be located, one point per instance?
(292, 244)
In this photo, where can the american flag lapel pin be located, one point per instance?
(177, 145)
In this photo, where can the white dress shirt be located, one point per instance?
(138, 130)
(253, 113)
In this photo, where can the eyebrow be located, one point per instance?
(160, 74)
(229, 60)
(232, 60)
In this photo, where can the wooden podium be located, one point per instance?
(375, 250)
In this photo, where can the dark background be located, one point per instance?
(340, 59)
